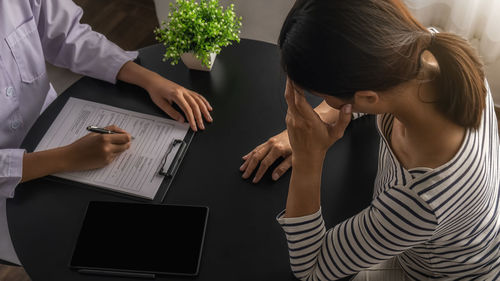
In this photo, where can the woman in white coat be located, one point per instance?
(35, 31)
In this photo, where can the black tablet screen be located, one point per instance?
(164, 239)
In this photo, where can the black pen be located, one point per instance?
(100, 130)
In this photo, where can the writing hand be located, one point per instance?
(96, 150)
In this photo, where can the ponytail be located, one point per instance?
(460, 83)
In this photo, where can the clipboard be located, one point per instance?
(135, 173)
(162, 190)
(172, 170)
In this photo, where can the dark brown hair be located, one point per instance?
(338, 47)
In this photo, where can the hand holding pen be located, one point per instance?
(96, 150)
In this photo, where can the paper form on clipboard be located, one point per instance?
(135, 171)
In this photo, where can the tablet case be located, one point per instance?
(117, 272)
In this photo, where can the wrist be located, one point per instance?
(135, 74)
(150, 81)
(65, 159)
(308, 158)
(308, 163)
(42, 163)
(304, 192)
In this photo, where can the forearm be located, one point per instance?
(133, 73)
(304, 192)
(43, 163)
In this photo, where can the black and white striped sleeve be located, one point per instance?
(397, 220)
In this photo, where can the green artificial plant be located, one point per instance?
(201, 28)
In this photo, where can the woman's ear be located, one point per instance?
(365, 100)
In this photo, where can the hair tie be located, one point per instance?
(433, 32)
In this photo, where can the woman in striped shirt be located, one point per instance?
(434, 213)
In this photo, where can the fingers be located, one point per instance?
(118, 139)
(204, 100)
(282, 168)
(115, 128)
(121, 138)
(337, 130)
(186, 107)
(244, 166)
(200, 107)
(265, 155)
(167, 107)
(250, 153)
(297, 103)
(119, 148)
(301, 104)
(266, 163)
(246, 156)
(251, 163)
(204, 106)
(290, 97)
(195, 107)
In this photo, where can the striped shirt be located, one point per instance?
(441, 224)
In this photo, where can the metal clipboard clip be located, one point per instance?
(169, 171)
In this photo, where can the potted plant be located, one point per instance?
(196, 32)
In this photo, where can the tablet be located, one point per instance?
(141, 238)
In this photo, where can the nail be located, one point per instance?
(241, 167)
(347, 109)
(276, 176)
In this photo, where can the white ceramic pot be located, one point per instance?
(190, 60)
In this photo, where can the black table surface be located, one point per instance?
(243, 239)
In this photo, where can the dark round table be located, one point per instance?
(243, 239)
